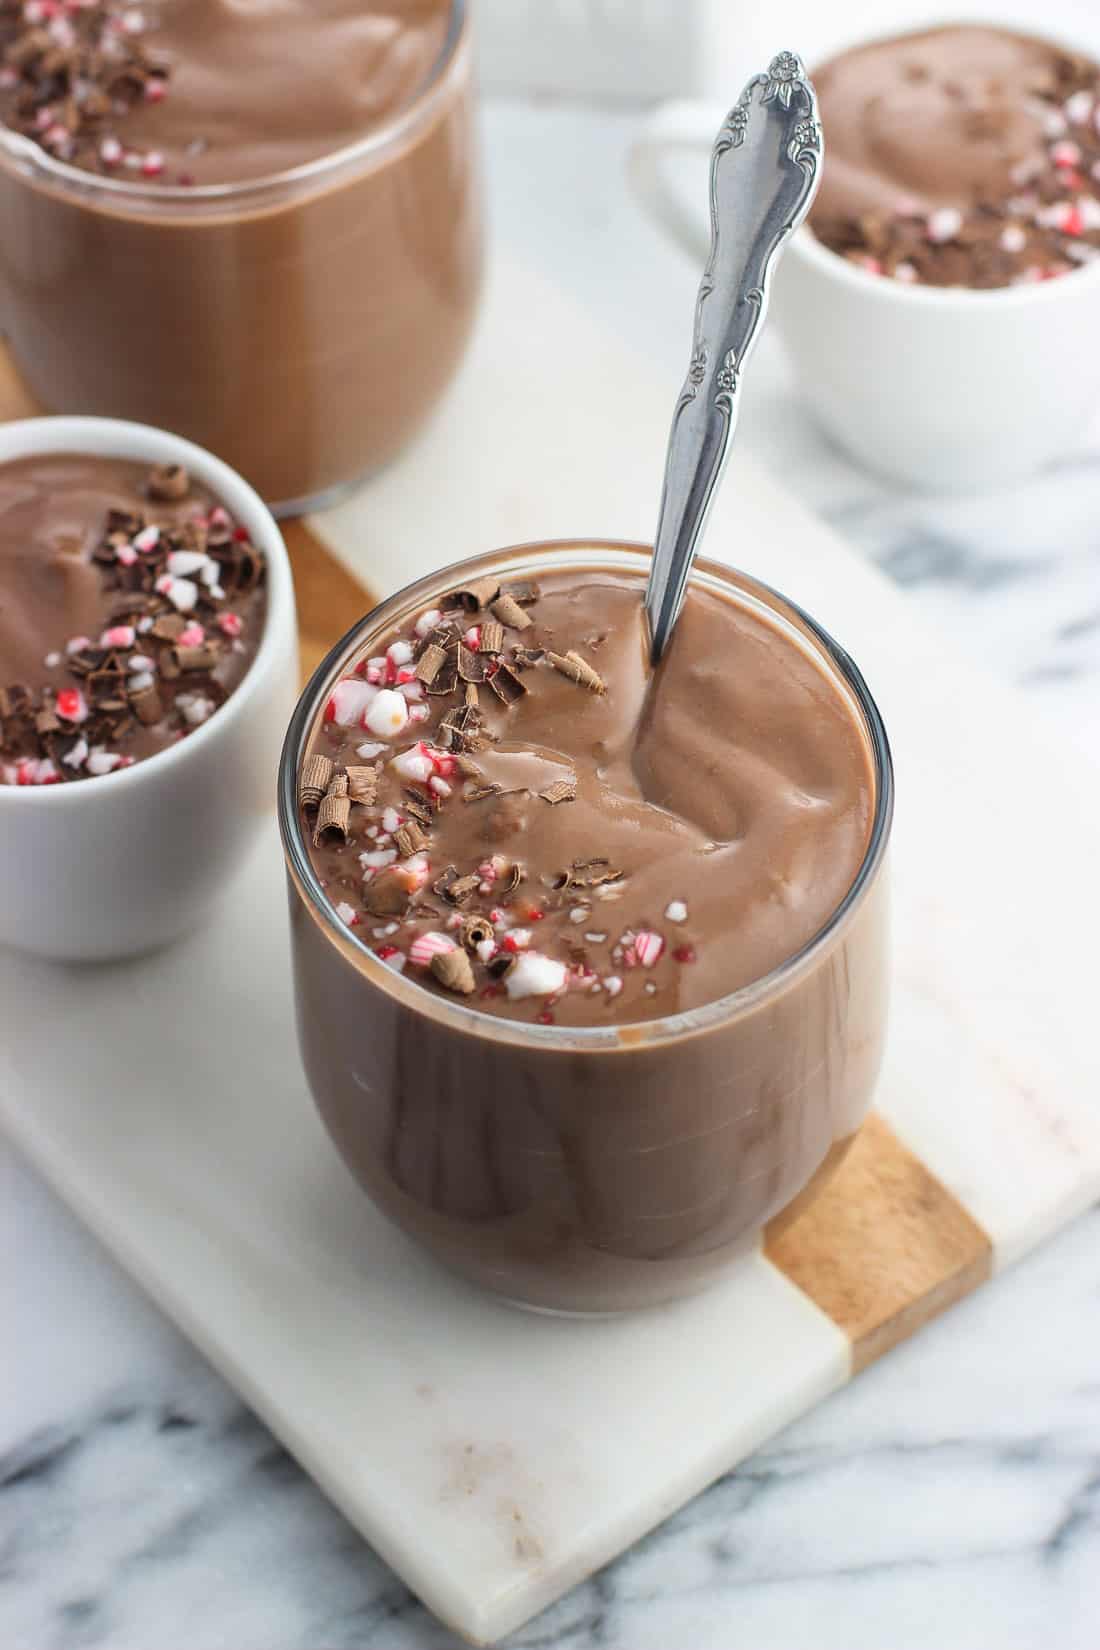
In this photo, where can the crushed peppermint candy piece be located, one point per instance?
(535, 975)
(943, 224)
(427, 946)
(647, 947)
(676, 911)
(386, 714)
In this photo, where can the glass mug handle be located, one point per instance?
(676, 128)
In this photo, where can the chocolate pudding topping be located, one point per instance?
(131, 605)
(210, 91)
(506, 802)
(961, 156)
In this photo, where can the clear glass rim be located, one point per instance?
(456, 1016)
(131, 192)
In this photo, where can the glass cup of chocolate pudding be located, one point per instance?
(256, 223)
(590, 958)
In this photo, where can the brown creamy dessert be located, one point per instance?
(961, 156)
(604, 1021)
(131, 606)
(255, 222)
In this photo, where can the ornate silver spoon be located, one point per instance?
(763, 176)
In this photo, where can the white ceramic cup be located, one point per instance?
(123, 863)
(943, 389)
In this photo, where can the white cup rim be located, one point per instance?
(144, 444)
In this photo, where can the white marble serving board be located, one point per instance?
(492, 1458)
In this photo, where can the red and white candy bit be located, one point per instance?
(30, 770)
(419, 713)
(182, 593)
(126, 555)
(101, 760)
(535, 975)
(386, 714)
(1012, 238)
(376, 859)
(196, 708)
(78, 755)
(52, 660)
(373, 671)
(411, 691)
(399, 652)
(118, 635)
(155, 90)
(487, 950)
(1065, 153)
(414, 872)
(684, 954)
(907, 272)
(439, 786)
(192, 635)
(1078, 107)
(612, 984)
(77, 644)
(147, 539)
(676, 911)
(182, 563)
(518, 940)
(230, 624)
(152, 164)
(648, 947)
(391, 956)
(427, 946)
(391, 821)
(427, 622)
(420, 762)
(220, 517)
(369, 750)
(943, 224)
(348, 702)
(347, 913)
(472, 637)
(71, 705)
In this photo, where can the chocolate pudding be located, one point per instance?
(131, 606)
(254, 222)
(590, 958)
(961, 156)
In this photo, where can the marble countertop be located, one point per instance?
(949, 1497)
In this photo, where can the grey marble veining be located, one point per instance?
(949, 1497)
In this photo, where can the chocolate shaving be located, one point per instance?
(562, 790)
(168, 627)
(510, 613)
(203, 657)
(524, 591)
(410, 839)
(445, 681)
(313, 781)
(452, 970)
(444, 636)
(501, 965)
(454, 889)
(578, 670)
(387, 894)
(587, 873)
(478, 594)
(430, 663)
(507, 685)
(524, 657)
(169, 664)
(418, 807)
(46, 721)
(471, 667)
(363, 785)
(492, 636)
(167, 482)
(515, 877)
(146, 705)
(472, 699)
(475, 931)
(443, 882)
(332, 815)
(478, 793)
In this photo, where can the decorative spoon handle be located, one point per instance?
(763, 176)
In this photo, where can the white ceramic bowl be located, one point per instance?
(944, 389)
(117, 865)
